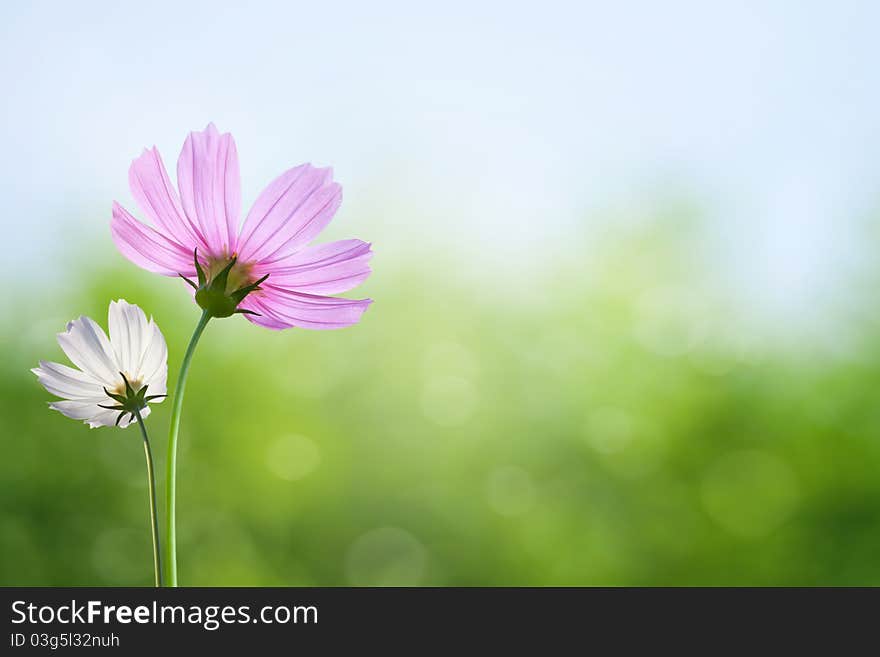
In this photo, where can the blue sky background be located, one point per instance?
(498, 134)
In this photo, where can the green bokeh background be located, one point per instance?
(612, 422)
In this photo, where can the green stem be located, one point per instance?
(171, 462)
(154, 517)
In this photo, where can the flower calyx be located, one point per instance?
(212, 294)
(132, 402)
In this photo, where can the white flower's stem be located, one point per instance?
(171, 462)
(154, 517)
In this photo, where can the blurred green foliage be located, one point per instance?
(607, 424)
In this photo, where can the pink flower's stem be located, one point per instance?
(171, 462)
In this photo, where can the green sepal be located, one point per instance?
(132, 402)
(242, 292)
(120, 398)
(199, 270)
(191, 283)
(220, 280)
(129, 391)
(211, 295)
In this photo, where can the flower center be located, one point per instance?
(239, 275)
(131, 397)
(224, 285)
(135, 382)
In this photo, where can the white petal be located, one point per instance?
(78, 410)
(68, 383)
(128, 326)
(90, 350)
(154, 368)
(92, 414)
(139, 346)
(106, 418)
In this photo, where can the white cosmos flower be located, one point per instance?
(135, 349)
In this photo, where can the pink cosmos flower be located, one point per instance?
(273, 241)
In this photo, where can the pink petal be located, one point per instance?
(289, 213)
(210, 188)
(321, 269)
(153, 191)
(148, 248)
(280, 308)
(266, 320)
